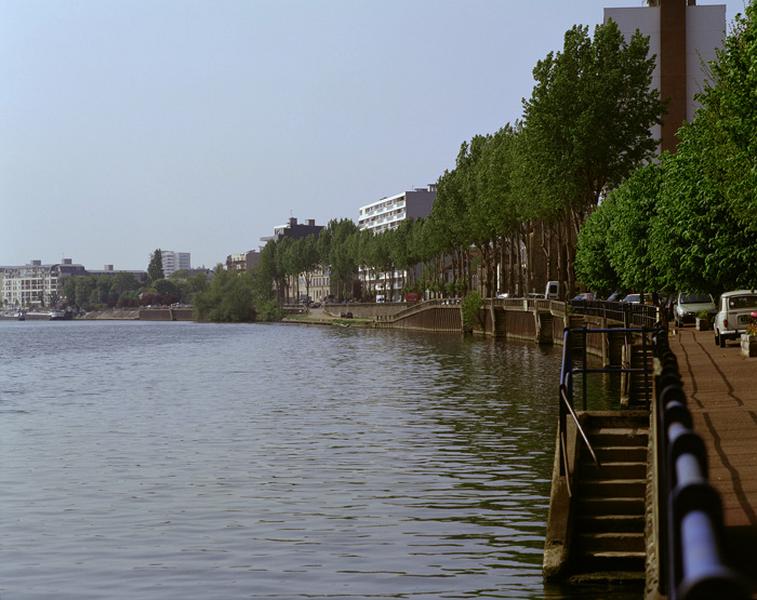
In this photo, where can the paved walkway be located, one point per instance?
(721, 386)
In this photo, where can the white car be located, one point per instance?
(735, 313)
(688, 306)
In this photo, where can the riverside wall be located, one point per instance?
(541, 322)
(165, 314)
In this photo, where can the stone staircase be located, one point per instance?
(609, 501)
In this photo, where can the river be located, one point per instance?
(182, 460)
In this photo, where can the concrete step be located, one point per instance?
(608, 454)
(622, 436)
(613, 469)
(616, 418)
(613, 488)
(613, 541)
(610, 560)
(629, 579)
(627, 506)
(610, 523)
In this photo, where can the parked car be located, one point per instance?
(584, 297)
(616, 296)
(735, 313)
(688, 306)
(632, 299)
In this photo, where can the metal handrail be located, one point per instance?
(580, 429)
(567, 373)
(690, 533)
(640, 315)
(566, 404)
(409, 310)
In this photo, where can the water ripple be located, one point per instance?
(175, 460)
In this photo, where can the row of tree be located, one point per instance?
(689, 221)
(124, 290)
(573, 191)
(516, 198)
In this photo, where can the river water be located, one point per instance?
(182, 460)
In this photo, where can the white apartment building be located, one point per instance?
(174, 261)
(320, 284)
(36, 284)
(386, 214)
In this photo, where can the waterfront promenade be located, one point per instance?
(721, 386)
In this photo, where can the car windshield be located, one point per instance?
(739, 302)
(695, 299)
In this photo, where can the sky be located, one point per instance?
(199, 125)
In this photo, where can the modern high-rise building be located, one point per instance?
(684, 37)
(174, 261)
(386, 214)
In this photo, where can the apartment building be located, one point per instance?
(320, 284)
(242, 261)
(35, 284)
(389, 212)
(293, 229)
(174, 261)
(386, 214)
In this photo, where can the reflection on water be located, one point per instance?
(177, 460)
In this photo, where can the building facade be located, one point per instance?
(174, 261)
(386, 214)
(293, 229)
(139, 275)
(389, 212)
(243, 261)
(36, 285)
(684, 37)
(320, 284)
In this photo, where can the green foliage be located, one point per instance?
(471, 308)
(593, 268)
(93, 291)
(227, 299)
(587, 121)
(633, 207)
(690, 222)
(168, 290)
(155, 267)
(707, 227)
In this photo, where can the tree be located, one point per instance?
(155, 268)
(228, 298)
(586, 127)
(634, 205)
(705, 236)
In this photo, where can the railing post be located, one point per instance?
(583, 382)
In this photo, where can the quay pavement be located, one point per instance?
(721, 387)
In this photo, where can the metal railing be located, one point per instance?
(568, 370)
(690, 528)
(416, 308)
(638, 315)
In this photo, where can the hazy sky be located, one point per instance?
(127, 125)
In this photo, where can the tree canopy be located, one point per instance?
(155, 267)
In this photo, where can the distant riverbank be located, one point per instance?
(111, 314)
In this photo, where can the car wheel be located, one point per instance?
(722, 341)
(717, 339)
